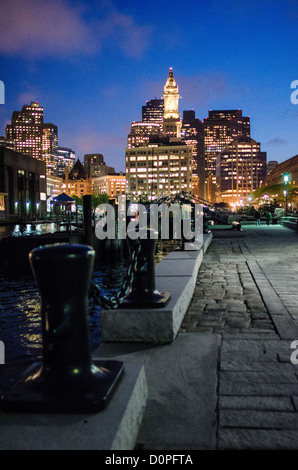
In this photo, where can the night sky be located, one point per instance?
(93, 64)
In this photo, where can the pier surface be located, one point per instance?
(229, 379)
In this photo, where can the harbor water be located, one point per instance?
(20, 319)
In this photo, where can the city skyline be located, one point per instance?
(93, 65)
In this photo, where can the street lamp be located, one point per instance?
(286, 180)
(286, 196)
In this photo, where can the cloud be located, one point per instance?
(34, 28)
(277, 141)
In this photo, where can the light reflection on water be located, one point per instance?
(20, 319)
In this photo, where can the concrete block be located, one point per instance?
(114, 428)
(176, 274)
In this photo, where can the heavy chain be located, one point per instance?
(113, 302)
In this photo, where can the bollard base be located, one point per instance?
(157, 300)
(33, 392)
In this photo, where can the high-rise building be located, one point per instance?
(163, 164)
(192, 133)
(171, 116)
(50, 147)
(153, 112)
(65, 159)
(26, 130)
(31, 136)
(95, 165)
(141, 132)
(241, 168)
(221, 128)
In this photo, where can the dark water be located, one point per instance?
(20, 320)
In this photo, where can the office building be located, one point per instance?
(141, 132)
(65, 159)
(95, 165)
(241, 168)
(113, 185)
(164, 164)
(220, 128)
(153, 112)
(22, 185)
(26, 130)
(50, 147)
(192, 133)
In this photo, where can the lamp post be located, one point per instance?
(286, 197)
(286, 180)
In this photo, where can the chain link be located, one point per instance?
(113, 302)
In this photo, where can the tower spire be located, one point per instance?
(172, 120)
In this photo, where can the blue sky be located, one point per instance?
(93, 64)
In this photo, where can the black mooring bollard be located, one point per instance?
(143, 292)
(67, 380)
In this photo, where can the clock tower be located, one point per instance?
(171, 118)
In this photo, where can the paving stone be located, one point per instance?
(256, 403)
(258, 419)
(257, 439)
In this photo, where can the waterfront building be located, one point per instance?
(113, 185)
(95, 165)
(159, 169)
(163, 164)
(54, 186)
(192, 133)
(22, 185)
(241, 168)
(76, 181)
(220, 128)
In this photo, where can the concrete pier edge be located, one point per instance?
(176, 274)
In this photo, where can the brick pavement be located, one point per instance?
(247, 293)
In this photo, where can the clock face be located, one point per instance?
(171, 103)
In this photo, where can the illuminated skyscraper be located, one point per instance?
(192, 133)
(163, 163)
(153, 112)
(50, 147)
(241, 168)
(26, 130)
(221, 128)
(141, 132)
(171, 117)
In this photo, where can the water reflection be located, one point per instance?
(20, 319)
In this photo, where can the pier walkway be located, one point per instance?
(247, 293)
(234, 350)
(228, 381)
